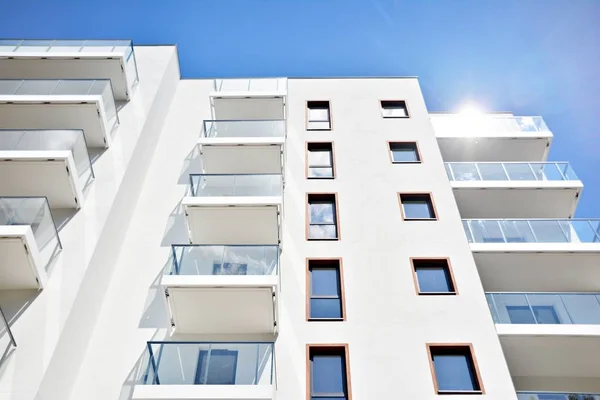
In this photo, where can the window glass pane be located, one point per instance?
(492, 172)
(318, 114)
(322, 212)
(519, 172)
(454, 372)
(325, 282)
(325, 308)
(320, 172)
(217, 367)
(390, 109)
(434, 280)
(546, 315)
(417, 209)
(404, 153)
(319, 158)
(322, 232)
(464, 171)
(328, 374)
(520, 315)
(548, 231)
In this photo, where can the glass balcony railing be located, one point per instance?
(545, 308)
(203, 363)
(532, 230)
(250, 85)
(212, 185)
(48, 140)
(64, 87)
(124, 47)
(510, 171)
(244, 129)
(35, 212)
(224, 260)
(556, 396)
(475, 125)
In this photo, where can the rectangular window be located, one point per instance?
(454, 369)
(322, 217)
(394, 109)
(404, 152)
(325, 290)
(216, 367)
(328, 369)
(318, 116)
(433, 277)
(320, 160)
(417, 207)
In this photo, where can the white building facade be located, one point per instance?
(279, 238)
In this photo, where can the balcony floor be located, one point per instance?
(242, 155)
(203, 392)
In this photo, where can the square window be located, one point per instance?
(320, 160)
(454, 370)
(325, 290)
(394, 109)
(328, 373)
(433, 277)
(417, 207)
(318, 116)
(404, 153)
(322, 218)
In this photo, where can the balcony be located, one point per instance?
(514, 190)
(250, 147)
(28, 242)
(538, 254)
(87, 105)
(244, 99)
(549, 335)
(556, 396)
(211, 371)
(491, 137)
(71, 59)
(240, 283)
(240, 209)
(49, 163)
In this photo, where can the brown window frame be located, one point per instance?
(337, 216)
(331, 347)
(455, 347)
(432, 260)
(381, 108)
(340, 268)
(423, 194)
(417, 149)
(306, 120)
(307, 166)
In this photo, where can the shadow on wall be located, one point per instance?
(155, 311)
(137, 372)
(192, 164)
(176, 230)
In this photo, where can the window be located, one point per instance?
(433, 276)
(320, 160)
(323, 222)
(532, 315)
(454, 369)
(328, 368)
(216, 367)
(394, 109)
(318, 116)
(325, 288)
(417, 207)
(404, 153)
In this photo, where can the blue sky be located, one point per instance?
(532, 57)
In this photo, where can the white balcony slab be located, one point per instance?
(231, 304)
(238, 155)
(50, 174)
(517, 199)
(21, 264)
(85, 112)
(232, 219)
(256, 105)
(528, 146)
(203, 392)
(560, 351)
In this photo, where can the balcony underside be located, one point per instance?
(248, 105)
(242, 155)
(222, 304)
(203, 392)
(20, 261)
(41, 112)
(468, 148)
(543, 267)
(507, 199)
(233, 220)
(560, 352)
(50, 174)
(69, 65)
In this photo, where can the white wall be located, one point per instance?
(52, 327)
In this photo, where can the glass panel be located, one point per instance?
(7, 45)
(580, 231)
(9, 86)
(209, 260)
(519, 172)
(394, 112)
(319, 158)
(325, 282)
(37, 87)
(325, 308)
(465, 171)
(466, 227)
(517, 231)
(322, 232)
(244, 128)
(236, 185)
(417, 209)
(322, 212)
(492, 172)
(454, 372)
(486, 231)
(582, 308)
(320, 172)
(548, 231)
(73, 87)
(567, 171)
(327, 374)
(318, 114)
(434, 280)
(547, 171)
(512, 309)
(216, 367)
(404, 153)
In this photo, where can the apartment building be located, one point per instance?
(279, 238)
